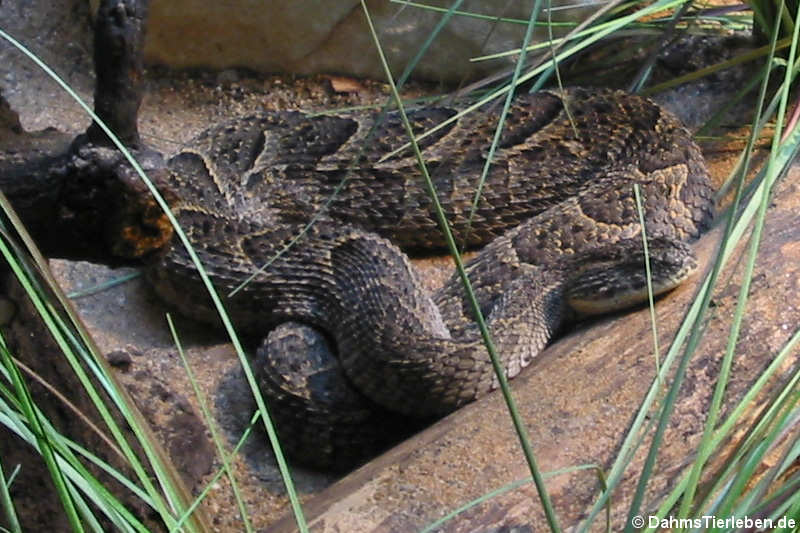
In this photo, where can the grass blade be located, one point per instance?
(212, 427)
(501, 120)
(504, 489)
(7, 504)
(475, 307)
(733, 337)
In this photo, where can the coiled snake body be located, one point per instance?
(557, 211)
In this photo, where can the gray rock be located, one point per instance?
(312, 36)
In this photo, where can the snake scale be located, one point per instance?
(351, 330)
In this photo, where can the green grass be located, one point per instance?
(9, 511)
(744, 484)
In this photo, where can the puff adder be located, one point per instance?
(354, 334)
(352, 346)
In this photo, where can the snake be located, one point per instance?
(317, 213)
(304, 223)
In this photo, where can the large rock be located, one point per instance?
(312, 36)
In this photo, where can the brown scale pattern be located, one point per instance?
(557, 213)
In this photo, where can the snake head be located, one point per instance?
(613, 276)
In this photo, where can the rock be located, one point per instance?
(119, 359)
(300, 38)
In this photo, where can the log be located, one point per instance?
(578, 401)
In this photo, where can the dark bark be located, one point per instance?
(81, 199)
(118, 42)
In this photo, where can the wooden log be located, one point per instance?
(578, 400)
